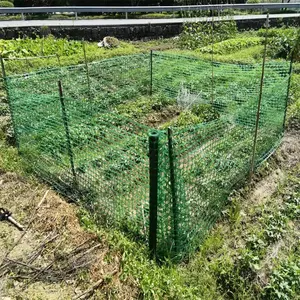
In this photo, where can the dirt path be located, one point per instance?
(55, 258)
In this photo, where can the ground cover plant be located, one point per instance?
(223, 267)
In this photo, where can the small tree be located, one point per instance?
(6, 4)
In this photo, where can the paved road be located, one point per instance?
(124, 22)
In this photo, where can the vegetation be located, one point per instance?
(253, 251)
(6, 4)
(232, 45)
(200, 34)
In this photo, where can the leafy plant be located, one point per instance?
(281, 41)
(6, 4)
(199, 34)
(232, 45)
(285, 280)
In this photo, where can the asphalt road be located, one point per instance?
(124, 22)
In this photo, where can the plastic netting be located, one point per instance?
(92, 143)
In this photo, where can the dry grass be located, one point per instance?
(55, 258)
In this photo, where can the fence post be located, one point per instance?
(212, 58)
(66, 125)
(252, 167)
(173, 188)
(290, 77)
(58, 60)
(151, 72)
(16, 140)
(86, 67)
(153, 172)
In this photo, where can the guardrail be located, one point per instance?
(145, 9)
(128, 9)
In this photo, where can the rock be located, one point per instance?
(109, 42)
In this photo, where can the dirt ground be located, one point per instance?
(54, 258)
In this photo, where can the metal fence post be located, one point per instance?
(153, 195)
(86, 67)
(212, 58)
(11, 111)
(58, 60)
(296, 46)
(252, 167)
(173, 188)
(66, 125)
(151, 72)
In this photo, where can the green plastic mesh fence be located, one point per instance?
(92, 142)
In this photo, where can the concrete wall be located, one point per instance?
(125, 32)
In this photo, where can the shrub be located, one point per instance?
(199, 34)
(155, 16)
(281, 41)
(6, 4)
(232, 45)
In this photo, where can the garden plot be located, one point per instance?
(92, 143)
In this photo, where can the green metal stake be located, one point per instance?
(173, 188)
(212, 58)
(259, 101)
(9, 104)
(153, 172)
(290, 77)
(151, 72)
(66, 125)
(58, 60)
(86, 67)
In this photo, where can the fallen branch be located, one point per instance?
(90, 291)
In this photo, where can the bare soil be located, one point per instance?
(286, 157)
(54, 258)
(160, 117)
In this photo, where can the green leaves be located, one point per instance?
(199, 34)
(232, 45)
(39, 46)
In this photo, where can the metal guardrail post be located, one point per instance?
(153, 195)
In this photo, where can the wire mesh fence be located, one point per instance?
(153, 144)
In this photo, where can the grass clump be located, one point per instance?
(232, 45)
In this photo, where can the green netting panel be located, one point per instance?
(110, 82)
(213, 158)
(93, 144)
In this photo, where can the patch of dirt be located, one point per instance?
(286, 157)
(159, 117)
(289, 153)
(267, 187)
(54, 258)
